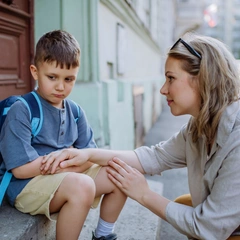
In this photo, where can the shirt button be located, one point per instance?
(62, 133)
(63, 122)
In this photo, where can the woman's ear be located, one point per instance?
(34, 72)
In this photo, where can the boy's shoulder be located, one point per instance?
(25, 107)
(15, 105)
(75, 108)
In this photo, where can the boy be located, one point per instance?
(70, 193)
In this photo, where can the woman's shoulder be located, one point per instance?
(236, 113)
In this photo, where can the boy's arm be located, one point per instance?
(15, 140)
(32, 169)
(28, 170)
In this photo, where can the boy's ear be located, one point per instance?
(34, 72)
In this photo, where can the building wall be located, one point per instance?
(189, 16)
(142, 65)
(78, 18)
(141, 59)
(110, 72)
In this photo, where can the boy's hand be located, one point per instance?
(74, 157)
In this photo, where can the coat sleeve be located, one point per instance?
(218, 216)
(164, 155)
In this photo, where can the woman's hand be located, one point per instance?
(134, 185)
(77, 169)
(128, 179)
(55, 160)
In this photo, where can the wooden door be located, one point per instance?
(16, 46)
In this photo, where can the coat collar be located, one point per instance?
(227, 122)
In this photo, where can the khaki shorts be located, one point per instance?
(36, 196)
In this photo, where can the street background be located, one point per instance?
(174, 181)
(136, 222)
(123, 49)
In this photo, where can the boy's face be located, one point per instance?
(54, 83)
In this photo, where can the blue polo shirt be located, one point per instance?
(59, 131)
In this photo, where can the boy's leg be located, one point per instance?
(113, 199)
(72, 200)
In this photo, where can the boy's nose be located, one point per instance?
(60, 86)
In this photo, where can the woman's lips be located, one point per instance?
(169, 102)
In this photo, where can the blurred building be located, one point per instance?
(222, 21)
(216, 18)
(123, 47)
(120, 76)
(189, 16)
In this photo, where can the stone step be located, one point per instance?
(15, 225)
(135, 222)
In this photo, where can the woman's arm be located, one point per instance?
(77, 169)
(77, 157)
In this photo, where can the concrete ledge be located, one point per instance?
(15, 225)
(134, 223)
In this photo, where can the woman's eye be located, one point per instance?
(170, 78)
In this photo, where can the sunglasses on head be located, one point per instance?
(188, 47)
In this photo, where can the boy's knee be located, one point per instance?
(104, 183)
(82, 186)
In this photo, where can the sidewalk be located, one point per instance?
(135, 221)
(174, 181)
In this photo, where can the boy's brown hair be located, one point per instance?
(59, 46)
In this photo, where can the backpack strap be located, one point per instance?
(34, 106)
(5, 106)
(75, 110)
(4, 184)
(32, 102)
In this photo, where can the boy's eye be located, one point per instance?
(51, 77)
(69, 79)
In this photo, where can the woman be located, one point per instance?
(202, 80)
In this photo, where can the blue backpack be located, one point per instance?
(32, 102)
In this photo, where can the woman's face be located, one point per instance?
(180, 89)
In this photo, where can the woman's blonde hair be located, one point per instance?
(217, 74)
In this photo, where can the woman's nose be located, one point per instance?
(164, 89)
